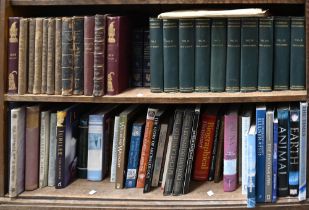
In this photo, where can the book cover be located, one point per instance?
(50, 86)
(114, 149)
(58, 56)
(38, 48)
(269, 144)
(78, 54)
(31, 46)
(44, 55)
(303, 151)
(252, 154)
(52, 149)
(44, 148)
(22, 56)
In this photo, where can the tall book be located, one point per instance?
(44, 55)
(52, 149)
(219, 157)
(31, 46)
(303, 151)
(251, 186)
(58, 56)
(265, 69)
(118, 30)
(269, 144)
(170, 55)
(249, 55)
(134, 152)
(146, 59)
(22, 56)
(186, 55)
(13, 55)
(44, 148)
(32, 147)
(218, 55)
(166, 161)
(17, 152)
(294, 148)
(50, 86)
(82, 146)
(275, 162)
(297, 56)
(283, 139)
(202, 54)
(38, 47)
(156, 54)
(114, 150)
(137, 57)
(233, 55)
(230, 149)
(282, 40)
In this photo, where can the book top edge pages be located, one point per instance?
(237, 13)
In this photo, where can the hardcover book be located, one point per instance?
(44, 55)
(22, 56)
(50, 86)
(78, 54)
(38, 47)
(146, 60)
(251, 185)
(58, 56)
(52, 149)
(303, 151)
(269, 144)
(31, 46)
(137, 57)
(44, 148)
(275, 162)
(114, 150)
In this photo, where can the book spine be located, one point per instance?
(245, 126)
(58, 56)
(60, 153)
(230, 152)
(202, 54)
(170, 55)
(38, 48)
(303, 151)
(283, 132)
(156, 54)
(167, 158)
(146, 59)
(186, 55)
(214, 151)
(52, 149)
(294, 152)
(298, 63)
(218, 55)
(114, 149)
(13, 154)
(275, 162)
(219, 158)
(89, 25)
(13, 56)
(78, 55)
(82, 148)
(31, 48)
(99, 68)
(50, 88)
(171, 168)
(67, 56)
(183, 152)
(265, 71)
(249, 55)
(137, 59)
(233, 55)
(44, 55)
(252, 154)
(146, 147)
(281, 53)
(22, 56)
(269, 155)
(44, 149)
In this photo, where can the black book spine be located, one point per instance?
(214, 151)
(82, 148)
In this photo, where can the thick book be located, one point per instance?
(134, 152)
(266, 49)
(294, 149)
(282, 41)
(114, 150)
(297, 56)
(58, 56)
(82, 146)
(230, 149)
(38, 48)
(118, 30)
(275, 161)
(249, 54)
(13, 55)
(186, 55)
(172, 163)
(78, 54)
(22, 56)
(44, 148)
(44, 55)
(218, 55)
(31, 47)
(50, 85)
(89, 24)
(269, 144)
(137, 57)
(17, 151)
(146, 59)
(202, 54)
(219, 157)
(32, 147)
(283, 139)
(170, 55)
(233, 55)
(156, 54)
(52, 149)
(252, 154)
(99, 65)
(260, 152)
(67, 56)
(303, 151)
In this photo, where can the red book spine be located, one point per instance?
(13, 55)
(204, 147)
(88, 54)
(117, 54)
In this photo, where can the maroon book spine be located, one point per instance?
(13, 55)
(117, 54)
(88, 54)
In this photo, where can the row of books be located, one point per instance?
(227, 54)
(78, 55)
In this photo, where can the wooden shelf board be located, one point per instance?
(117, 2)
(143, 95)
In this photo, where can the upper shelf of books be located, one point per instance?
(117, 2)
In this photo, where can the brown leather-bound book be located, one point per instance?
(44, 55)
(118, 54)
(37, 85)
(58, 56)
(23, 56)
(50, 89)
(31, 46)
(99, 55)
(88, 54)
(13, 54)
(32, 148)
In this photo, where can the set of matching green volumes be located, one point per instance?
(227, 54)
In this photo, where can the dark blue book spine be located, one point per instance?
(260, 153)
(134, 155)
(146, 60)
(137, 61)
(275, 162)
